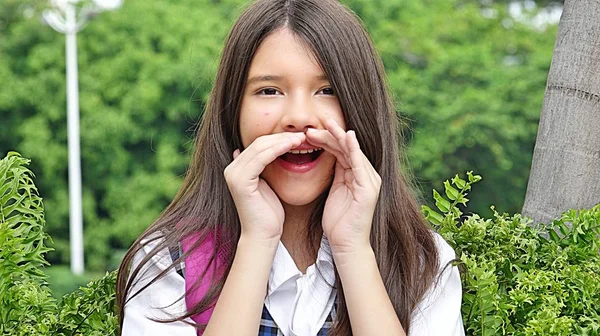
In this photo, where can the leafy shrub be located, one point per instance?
(89, 311)
(520, 278)
(24, 297)
(26, 304)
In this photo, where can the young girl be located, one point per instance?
(294, 217)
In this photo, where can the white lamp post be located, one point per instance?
(69, 17)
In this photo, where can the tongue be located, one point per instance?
(297, 158)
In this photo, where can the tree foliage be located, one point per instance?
(470, 81)
(144, 74)
(471, 85)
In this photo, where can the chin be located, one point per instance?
(295, 200)
(300, 195)
(297, 192)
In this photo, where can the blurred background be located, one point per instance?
(468, 75)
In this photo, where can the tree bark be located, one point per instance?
(565, 172)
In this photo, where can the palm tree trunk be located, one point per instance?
(565, 172)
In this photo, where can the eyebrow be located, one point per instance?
(266, 78)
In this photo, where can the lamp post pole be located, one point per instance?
(63, 18)
(76, 215)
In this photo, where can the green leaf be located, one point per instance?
(473, 178)
(441, 202)
(451, 192)
(460, 183)
(431, 215)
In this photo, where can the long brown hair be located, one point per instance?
(403, 243)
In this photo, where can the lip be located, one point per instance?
(299, 168)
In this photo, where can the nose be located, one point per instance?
(299, 116)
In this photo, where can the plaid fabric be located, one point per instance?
(176, 252)
(268, 327)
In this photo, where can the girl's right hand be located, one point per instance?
(259, 209)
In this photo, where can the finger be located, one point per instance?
(236, 153)
(285, 141)
(363, 160)
(266, 141)
(359, 162)
(365, 174)
(340, 174)
(338, 133)
(261, 160)
(324, 139)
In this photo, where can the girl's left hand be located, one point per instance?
(350, 206)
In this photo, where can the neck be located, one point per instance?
(294, 235)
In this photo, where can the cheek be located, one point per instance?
(332, 110)
(256, 120)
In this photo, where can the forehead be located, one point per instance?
(285, 54)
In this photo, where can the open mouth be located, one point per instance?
(300, 157)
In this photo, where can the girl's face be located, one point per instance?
(287, 91)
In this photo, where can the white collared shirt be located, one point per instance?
(298, 303)
(156, 301)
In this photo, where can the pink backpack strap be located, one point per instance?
(195, 264)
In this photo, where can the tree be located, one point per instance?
(565, 172)
(470, 82)
(143, 80)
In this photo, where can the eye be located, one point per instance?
(327, 91)
(268, 92)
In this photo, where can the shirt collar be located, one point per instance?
(284, 268)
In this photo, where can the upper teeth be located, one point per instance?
(307, 151)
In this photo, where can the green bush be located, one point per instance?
(26, 304)
(516, 281)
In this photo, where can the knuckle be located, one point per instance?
(262, 140)
(227, 172)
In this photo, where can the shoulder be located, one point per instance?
(148, 246)
(446, 281)
(155, 294)
(446, 253)
(447, 275)
(152, 265)
(439, 311)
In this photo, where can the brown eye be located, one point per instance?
(268, 91)
(328, 91)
